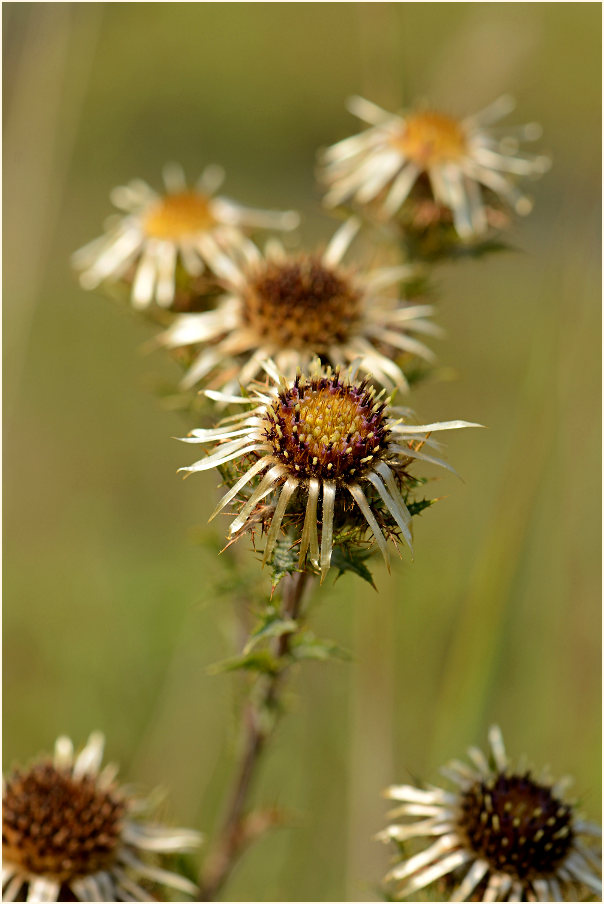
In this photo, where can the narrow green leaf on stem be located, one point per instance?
(307, 646)
(270, 626)
(257, 661)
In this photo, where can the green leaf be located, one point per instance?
(415, 481)
(257, 661)
(417, 507)
(270, 626)
(441, 243)
(284, 560)
(349, 558)
(307, 646)
(480, 249)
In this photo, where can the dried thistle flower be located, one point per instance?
(503, 835)
(70, 832)
(428, 154)
(332, 441)
(292, 308)
(183, 227)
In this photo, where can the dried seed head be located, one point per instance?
(327, 428)
(430, 138)
(501, 836)
(301, 303)
(59, 825)
(178, 215)
(517, 825)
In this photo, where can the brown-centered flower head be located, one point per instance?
(517, 824)
(58, 825)
(331, 448)
(164, 235)
(69, 833)
(458, 160)
(301, 303)
(503, 835)
(293, 307)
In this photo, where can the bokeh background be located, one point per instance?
(111, 618)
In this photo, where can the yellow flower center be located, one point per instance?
(301, 304)
(326, 428)
(175, 216)
(431, 138)
(57, 825)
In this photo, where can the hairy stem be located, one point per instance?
(239, 828)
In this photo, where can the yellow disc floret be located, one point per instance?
(431, 138)
(177, 215)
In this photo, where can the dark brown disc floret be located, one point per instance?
(327, 428)
(301, 303)
(58, 825)
(517, 825)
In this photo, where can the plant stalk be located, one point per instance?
(238, 828)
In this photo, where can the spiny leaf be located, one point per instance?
(284, 560)
(417, 507)
(349, 558)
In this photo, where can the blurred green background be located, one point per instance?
(109, 615)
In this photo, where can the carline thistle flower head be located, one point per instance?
(291, 308)
(502, 835)
(329, 447)
(400, 156)
(184, 227)
(70, 832)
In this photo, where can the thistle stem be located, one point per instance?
(238, 828)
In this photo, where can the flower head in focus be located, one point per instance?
(291, 308)
(182, 228)
(432, 160)
(331, 451)
(70, 832)
(502, 835)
